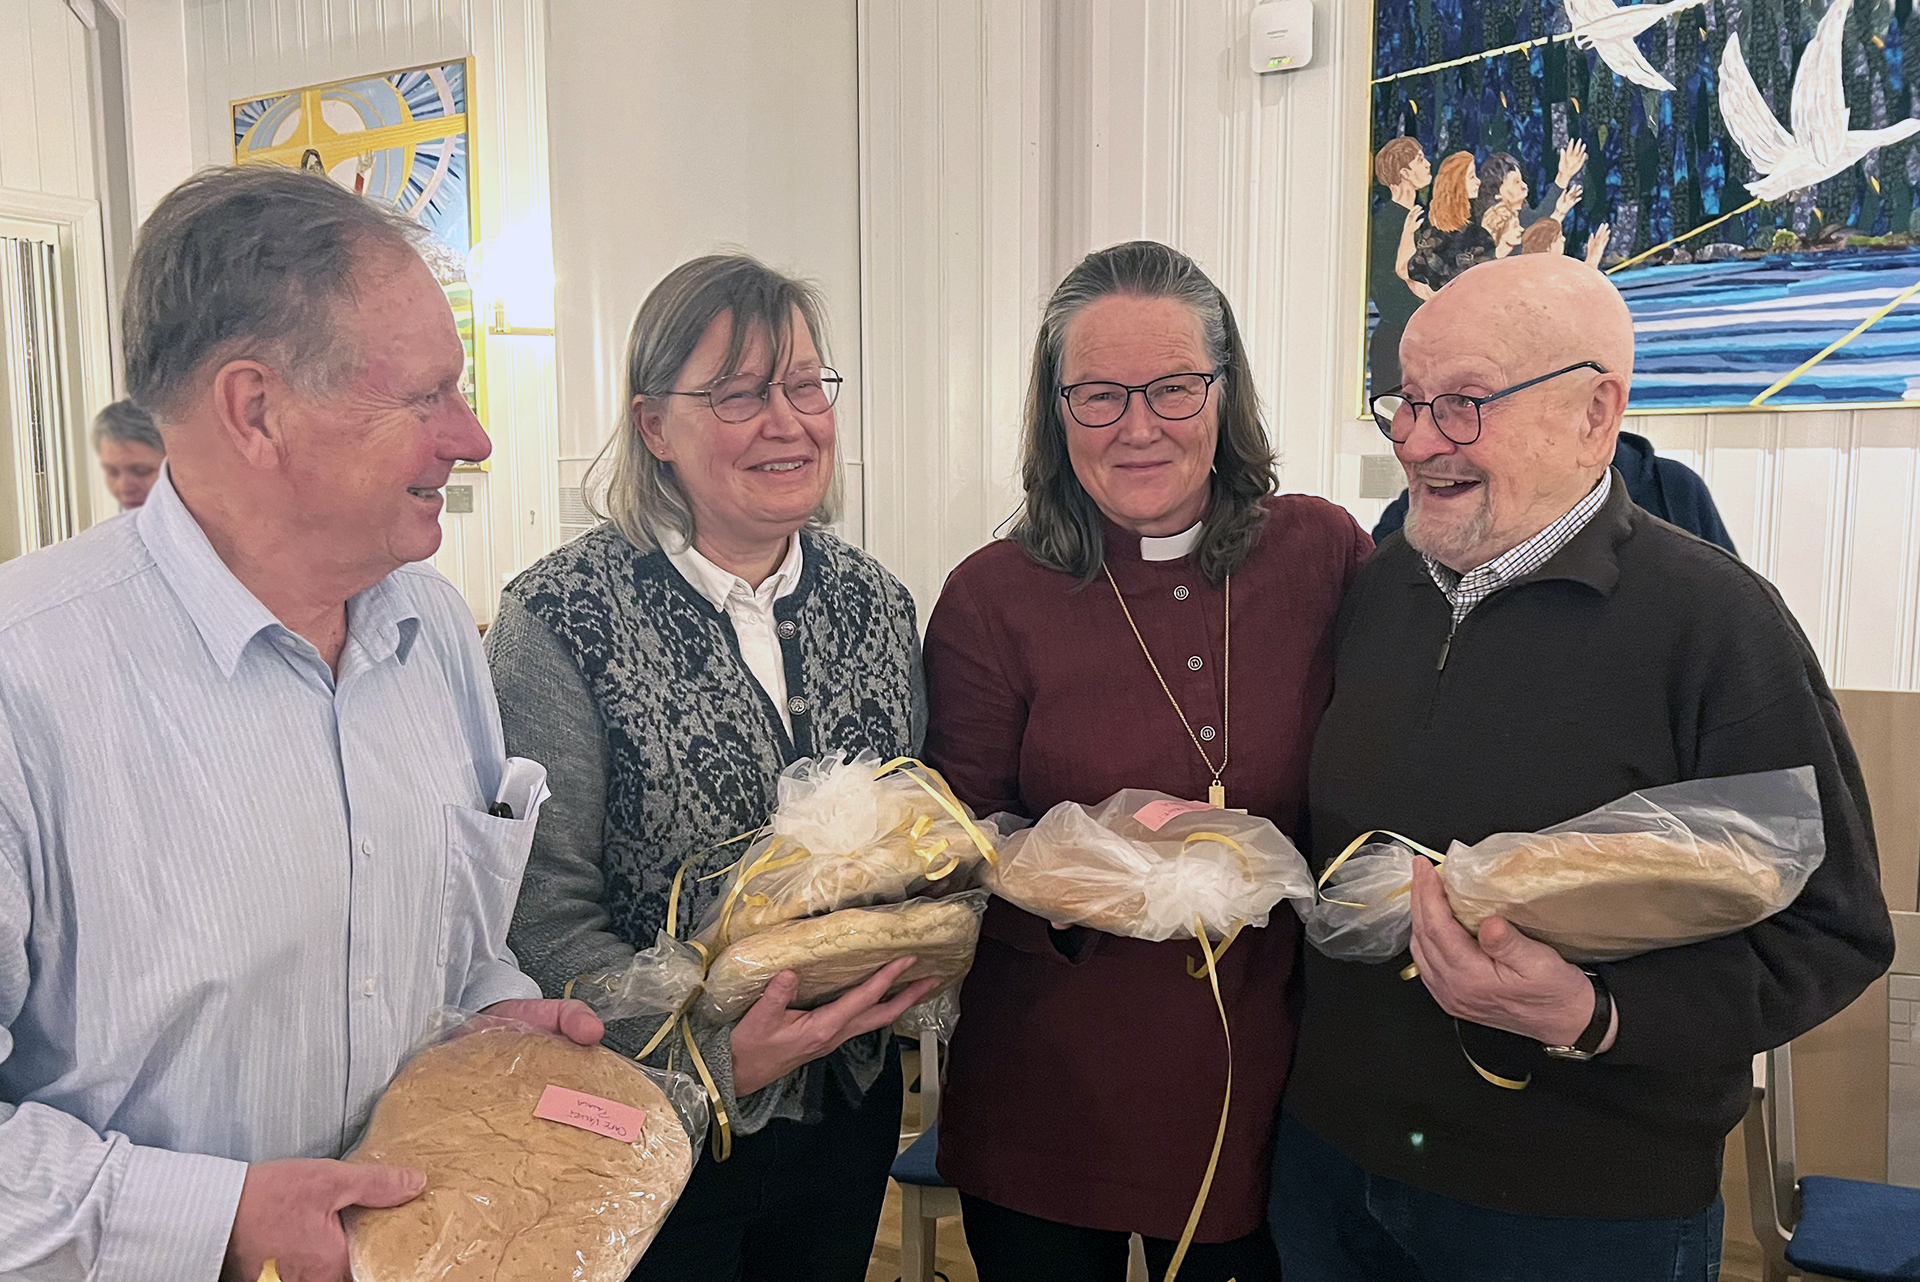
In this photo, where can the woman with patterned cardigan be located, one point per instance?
(665, 667)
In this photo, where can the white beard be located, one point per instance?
(1448, 543)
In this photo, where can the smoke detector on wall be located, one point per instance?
(1281, 35)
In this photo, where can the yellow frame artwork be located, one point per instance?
(314, 136)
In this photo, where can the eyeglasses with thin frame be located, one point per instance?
(1456, 415)
(1172, 398)
(743, 398)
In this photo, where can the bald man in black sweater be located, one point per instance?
(1533, 646)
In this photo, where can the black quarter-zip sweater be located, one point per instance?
(1638, 656)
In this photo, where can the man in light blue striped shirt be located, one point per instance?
(247, 755)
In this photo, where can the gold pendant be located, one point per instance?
(1217, 795)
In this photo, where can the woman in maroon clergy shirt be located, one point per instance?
(1088, 653)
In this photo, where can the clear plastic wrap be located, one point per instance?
(835, 952)
(1658, 868)
(939, 1015)
(1148, 865)
(1363, 913)
(848, 834)
(658, 981)
(544, 1160)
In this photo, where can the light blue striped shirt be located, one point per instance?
(232, 889)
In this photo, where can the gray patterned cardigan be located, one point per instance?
(626, 683)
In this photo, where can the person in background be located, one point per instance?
(1151, 573)
(1548, 236)
(1452, 239)
(229, 909)
(1401, 166)
(1503, 183)
(666, 667)
(130, 451)
(1507, 1114)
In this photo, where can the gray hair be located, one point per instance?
(627, 484)
(252, 262)
(125, 421)
(1059, 523)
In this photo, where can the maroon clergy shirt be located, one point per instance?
(1086, 1076)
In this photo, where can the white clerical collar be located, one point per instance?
(716, 584)
(1172, 547)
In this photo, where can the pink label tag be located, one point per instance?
(1156, 814)
(591, 1113)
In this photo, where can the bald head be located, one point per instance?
(1539, 310)
(1542, 348)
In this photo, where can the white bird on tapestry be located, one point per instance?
(1820, 145)
(1609, 30)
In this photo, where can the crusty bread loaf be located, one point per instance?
(1598, 897)
(831, 954)
(1061, 891)
(893, 869)
(511, 1197)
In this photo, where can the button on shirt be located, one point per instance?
(1465, 591)
(196, 971)
(750, 610)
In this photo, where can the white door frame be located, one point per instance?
(74, 225)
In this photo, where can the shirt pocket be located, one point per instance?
(486, 855)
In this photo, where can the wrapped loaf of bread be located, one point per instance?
(1603, 896)
(1149, 866)
(511, 1195)
(849, 834)
(1658, 868)
(835, 952)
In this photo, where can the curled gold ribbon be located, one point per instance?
(1226, 1105)
(1504, 1083)
(1199, 970)
(1353, 848)
(723, 1125)
(1412, 969)
(912, 768)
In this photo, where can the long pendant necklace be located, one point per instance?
(1216, 791)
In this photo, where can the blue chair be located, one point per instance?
(924, 1197)
(1856, 1229)
(1820, 1226)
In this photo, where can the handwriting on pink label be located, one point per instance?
(591, 1113)
(1156, 814)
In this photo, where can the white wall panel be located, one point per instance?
(684, 129)
(951, 131)
(46, 120)
(240, 48)
(1147, 122)
(1102, 121)
(162, 119)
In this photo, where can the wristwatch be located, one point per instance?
(1587, 1045)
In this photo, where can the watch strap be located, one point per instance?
(1587, 1045)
